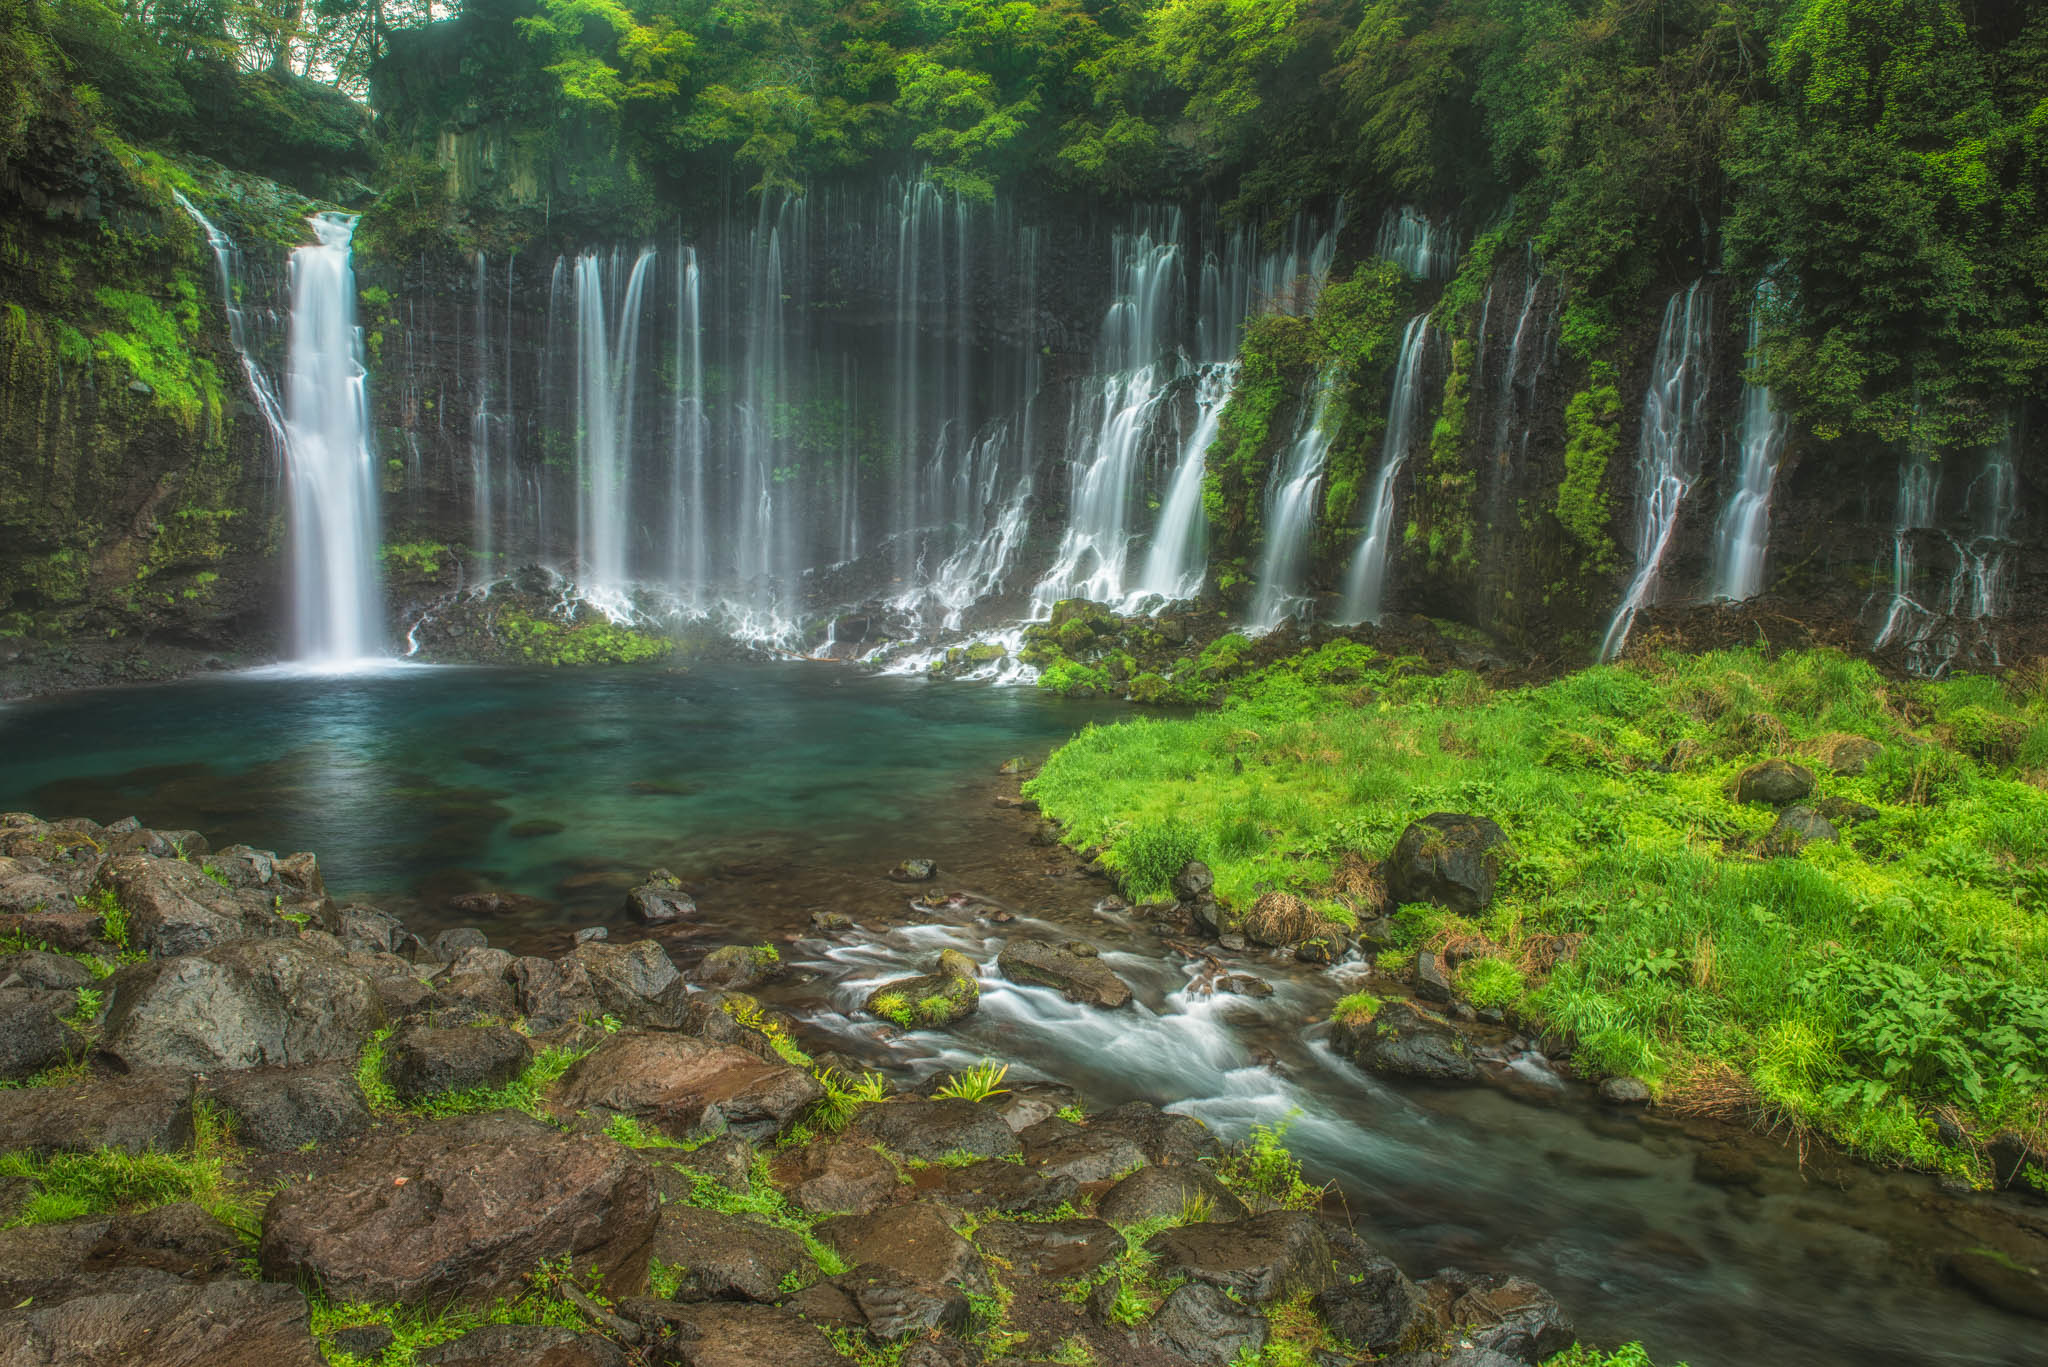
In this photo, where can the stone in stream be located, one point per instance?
(915, 871)
(524, 1345)
(738, 968)
(1193, 882)
(1078, 978)
(1624, 1091)
(951, 992)
(32, 1038)
(1448, 859)
(2002, 1281)
(459, 1212)
(426, 1061)
(1257, 1260)
(500, 904)
(1402, 1040)
(661, 898)
(930, 1130)
(726, 1257)
(1169, 1189)
(1208, 1328)
(1774, 783)
(688, 1088)
(238, 1005)
(134, 1112)
(280, 1110)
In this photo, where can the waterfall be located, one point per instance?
(1133, 367)
(482, 471)
(1668, 454)
(226, 260)
(1365, 586)
(1422, 249)
(1979, 589)
(688, 531)
(329, 465)
(607, 371)
(1934, 633)
(1290, 515)
(1904, 617)
(1178, 560)
(1744, 535)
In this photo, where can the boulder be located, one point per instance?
(369, 930)
(738, 968)
(1163, 1136)
(1208, 1328)
(638, 983)
(1059, 1148)
(424, 1061)
(1774, 782)
(915, 1241)
(1378, 1308)
(497, 904)
(76, 932)
(1507, 1315)
(1798, 826)
(1624, 1091)
(237, 1005)
(181, 1238)
(1053, 1250)
(553, 994)
(47, 1262)
(725, 1334)
(1432, 983)
(1448, 859)
(30, 894)
(43, 971)
(660, 899)
(896, 1307)
(727, 1257)
(281, 1110)
(1005, 1188)
(1850, 756)
(525, 1345)
(159, 1319)
(838, 1175)
(688, 1088)
(1843, 811)
(950, 993)
(1257, 1260)
(174, 908)
(460, 1212)
(931, 1130)
(149, 1110)
(1078, 978)
(449, 945)
(1193, 882)
(1402, 1040)
(1169, 1189)
(32, 1038)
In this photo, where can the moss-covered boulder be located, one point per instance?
(949, 993)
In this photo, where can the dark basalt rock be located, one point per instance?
(1402, 1040)
(369, 930)
(238, 1005)
(726, 1257)
(914, 1241)
(897, 1307)
(552, 994)
(688, 1088)
(174, 908)
(426, 1061)
(951, 992)
(727, 1334)
(1256, 1260)
(1208, 1328)
(993, 1185)
(149, 1110)
(1774, 782)
(500, 904)
(932, 1129)
(738, 968)
(1078, 978)
(1193, 882)
(449, 945)
(1056, 1250)
(1448, 859)
(43, 971)
(638, 983)
(1164, 1136)
(1507, 1315)
(1060, 1148)
(32, 1038)
(660, 899)
(279, 1110)
(1381, 1310)
(159, 1319)
(1166, 1190)
(525, 1345)
(181, 1239)
(458, 1212)
(839, 1175)
(1797, 826)
(363, 1340)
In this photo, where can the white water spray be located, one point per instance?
(1744, 536)
(1290, 514)
(1365, 586)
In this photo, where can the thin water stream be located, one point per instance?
(779, 791)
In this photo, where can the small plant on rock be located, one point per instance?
(975, 1084)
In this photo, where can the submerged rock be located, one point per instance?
(915, 871)
(1078, 978)
(1448, 859)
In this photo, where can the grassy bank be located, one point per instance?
(1871, 989)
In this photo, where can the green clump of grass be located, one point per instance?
(527, 1092)
(114, 922)
(978, 1083)
(375, 1087)
(1581, 1355)
(416, 1331)
(70, 1186)
(1262, 1167)
(1850, 988)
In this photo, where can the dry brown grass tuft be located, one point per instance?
(1360, 883)
(1710, 1089)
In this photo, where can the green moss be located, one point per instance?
(1444, 527)
(154, 341)
(586, 643)
(1592, 436)
(415, 557)
(1072, 679)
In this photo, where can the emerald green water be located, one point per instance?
(415, 784)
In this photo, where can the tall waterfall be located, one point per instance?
(1290, 514)
(1668, 455)
(1365, 585)
(329, 466)
(1178, 560)
(1904, 617)
(1937, 628)
(483, 465)
(1744, 535)
(226, 260)
(607, 360)
(1112, 421)
(688, 531)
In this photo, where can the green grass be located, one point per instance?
(523, 1093)
(417, 1331)
(69, 1186)
(1854, 988)
(977, 1083)
(1579, 1355)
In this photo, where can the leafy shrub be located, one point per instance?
(1490, 983)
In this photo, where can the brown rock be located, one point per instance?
(157, 1319)
(727, 1334)
(840, 1175)
(237, 1005)
(912, 1240)
(727, 1257)
(151, 1110)
(687, 1088)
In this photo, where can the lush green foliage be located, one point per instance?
(595, 642)
(1853, 986)
(66, 1186)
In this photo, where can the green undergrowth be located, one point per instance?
(70, 1186)
(1865, 989)
(526, 1092)
(417, 1331)
(586, 643)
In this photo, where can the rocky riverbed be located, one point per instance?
(246, 1122)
